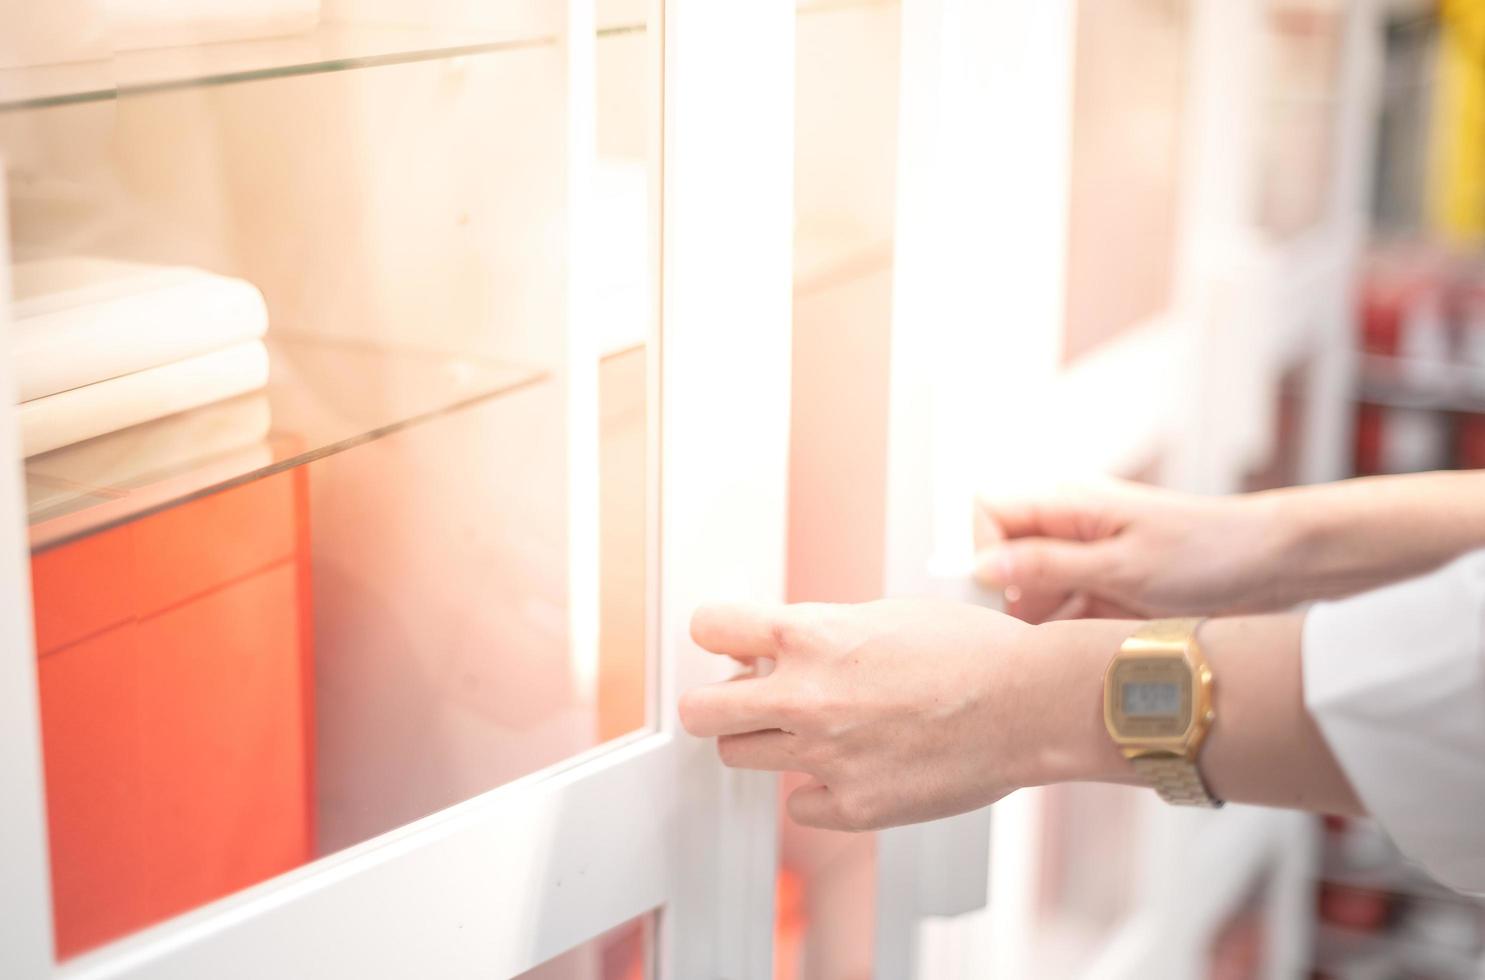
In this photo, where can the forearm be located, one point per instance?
(1347, 537)
(1263, 748)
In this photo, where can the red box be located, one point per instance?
(176, 691)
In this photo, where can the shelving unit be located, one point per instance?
(323, 397)
(337, 43)
(405, 197)
(379, 633)
(1435, 386)
(1378, 915)
(1183, 385)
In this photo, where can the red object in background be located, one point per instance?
(1469, 446)
(1370, 420)
(1388, 291)
(626, 952)
(1397, 289)
(791, 924)
(1361, 909)
(1238, 950)
(176, 690)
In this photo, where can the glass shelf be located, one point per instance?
(322, 397)
(330, 47)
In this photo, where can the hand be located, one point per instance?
(908, 710)
(1123, 550)
(901, 710)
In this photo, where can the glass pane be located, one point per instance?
(1129, 87)
(311, 557)
(1298, 104)
(845, 156)
(627, 76)
(623, 953)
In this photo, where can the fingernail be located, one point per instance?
(993, 568)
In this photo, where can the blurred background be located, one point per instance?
(1269, 214)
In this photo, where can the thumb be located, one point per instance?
(1041, 573)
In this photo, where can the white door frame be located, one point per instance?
(25, 890)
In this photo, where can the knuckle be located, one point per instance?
(1125, 574)
(821, 713)
(856, 812)
(801, 628)
(818, 755)
(1031, 565)
(790, 635)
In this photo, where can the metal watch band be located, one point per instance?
(1175, 779)
(1168, 632)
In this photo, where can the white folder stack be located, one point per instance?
(100, 345)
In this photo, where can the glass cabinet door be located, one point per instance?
(334, 331)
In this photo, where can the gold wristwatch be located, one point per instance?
(1157, 705)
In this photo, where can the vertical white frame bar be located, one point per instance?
(1218, 248)
(978, 304)
(1330, 413)
(25, 887)
(580, 347)
(726, 303)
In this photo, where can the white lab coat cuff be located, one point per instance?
(1395, 679)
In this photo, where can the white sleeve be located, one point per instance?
(1396, 681)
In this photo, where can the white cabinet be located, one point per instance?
(1118, 230)
(365, 664)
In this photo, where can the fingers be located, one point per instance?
(1040, 575)
(741, 630)
(816, 806)
(998, 519)
(1042, 565)
(1081, 605)
(1074, 607)
(1075, 513)
(743, 704)
(770, 751)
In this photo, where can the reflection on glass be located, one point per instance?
(289, 332)
(622, 953)
(1129, 88)
(1298, 102)
(845, 153)
(625, 76)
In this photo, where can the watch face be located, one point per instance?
(1150, 697)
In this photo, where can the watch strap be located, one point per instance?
(1177, 780)
(1166, 633)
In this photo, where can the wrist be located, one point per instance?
(1283, 529)
(1070, 658)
